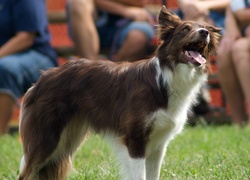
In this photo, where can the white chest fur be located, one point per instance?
(183, 85)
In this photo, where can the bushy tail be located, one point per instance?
(53, 170)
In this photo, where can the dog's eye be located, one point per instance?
(185, 29)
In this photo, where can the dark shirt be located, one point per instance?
(29, 16)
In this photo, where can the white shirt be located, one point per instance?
(238, 4)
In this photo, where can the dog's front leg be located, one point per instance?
(131, 168)
(153, 163)
(136, 169)
(131, 158)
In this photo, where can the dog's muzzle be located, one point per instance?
(204, 33)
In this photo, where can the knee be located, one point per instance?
(4, 71)
(8, 75)
(137, 38)
(239, 49)
(224, 60)
(81, 7)
(239, 45)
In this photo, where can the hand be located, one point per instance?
(138, 14)
(194, 9)
(137, 3)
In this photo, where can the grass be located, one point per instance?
(202, 152)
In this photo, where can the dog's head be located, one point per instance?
(185, 41)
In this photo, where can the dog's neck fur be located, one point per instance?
(183, 84)
(184, 81)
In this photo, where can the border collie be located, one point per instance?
(138, 106)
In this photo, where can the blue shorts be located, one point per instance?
(19, 71)
(114, 29)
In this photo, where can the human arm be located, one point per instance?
(213, 4)
(243, 16)
(195, 8)
(23, 23)
(21, 41)
(232, 31)
(82, 24)
(130, 12)
(137, 3)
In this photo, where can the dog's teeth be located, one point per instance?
(186, 53)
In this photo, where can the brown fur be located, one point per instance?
(105, 96)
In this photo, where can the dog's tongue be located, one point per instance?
(196, 56)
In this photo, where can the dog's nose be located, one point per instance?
(203, 32)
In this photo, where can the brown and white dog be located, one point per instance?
(138, 106)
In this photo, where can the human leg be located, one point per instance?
(134, 41)
(6, 108)
(241, 60)
(17, 73)
(7, 98)
(134, 47)
(85, 36)
(231, 86)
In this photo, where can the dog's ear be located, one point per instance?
(167, 19)
(213, 29)
(214, 38)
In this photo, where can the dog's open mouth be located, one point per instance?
(193, 52)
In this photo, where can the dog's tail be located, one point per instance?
(56, 170)
(42, 157)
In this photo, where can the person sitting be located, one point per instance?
(122, 25)
(25, 50)
(210, 11)
(234, 61)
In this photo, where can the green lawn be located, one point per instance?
(212, 152)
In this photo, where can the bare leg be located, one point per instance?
(83, 28)
(6, 109)
(241, 59)
(133, 48)
(231, 86)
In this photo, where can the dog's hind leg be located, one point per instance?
(55, 169)
(61, 161)
(38, 166)
(71, 138)
(57, 164)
